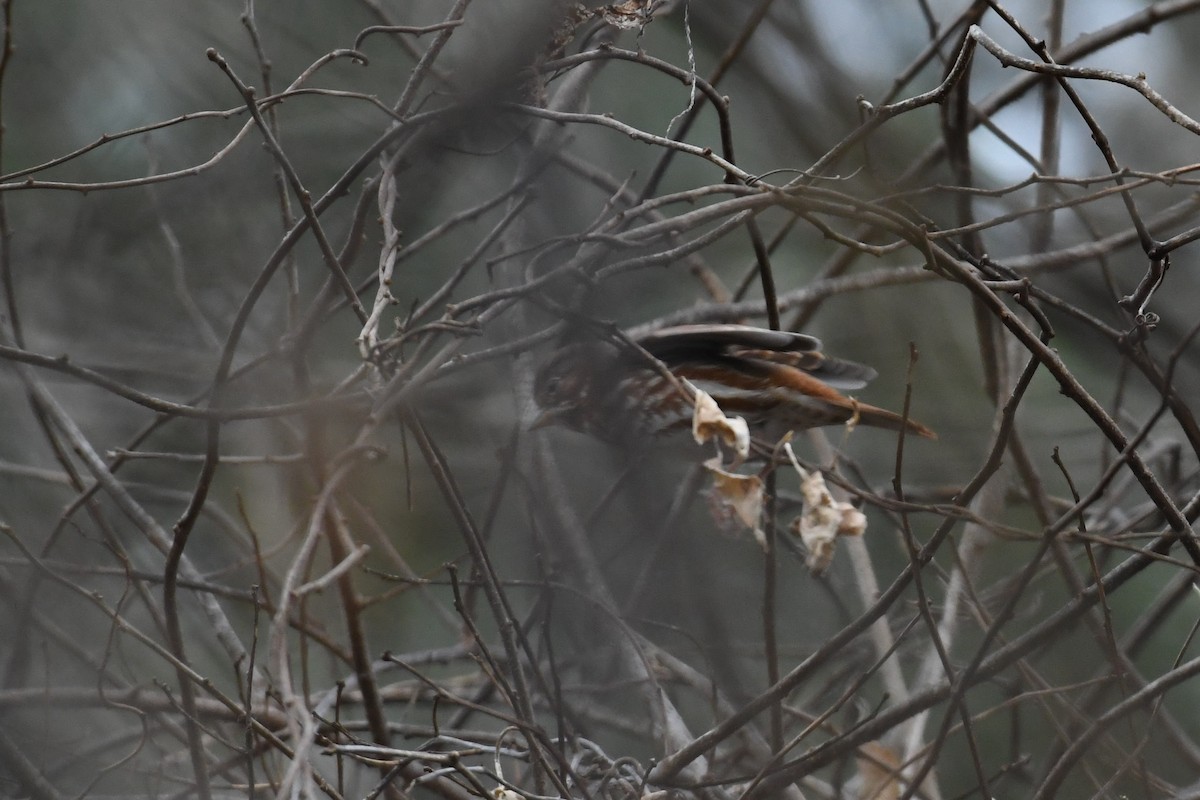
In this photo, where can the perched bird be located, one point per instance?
(775, 380)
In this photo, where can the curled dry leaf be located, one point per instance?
(710, 422)
(822, 518)
(736, 497)
(735, 500)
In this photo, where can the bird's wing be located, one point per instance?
(691, 342)
(835, 372)
(741, 343)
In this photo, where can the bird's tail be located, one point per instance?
(882, 418)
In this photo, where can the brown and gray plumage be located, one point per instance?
(775, 380)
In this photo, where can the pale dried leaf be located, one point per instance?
(854, 522)
(822, 518)
(736, 497)
(709, 422)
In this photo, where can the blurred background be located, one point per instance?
(275, 523)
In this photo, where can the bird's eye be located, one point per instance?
(551, 386)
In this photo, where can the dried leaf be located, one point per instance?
(710, 422)
(822, 518)
(854, 522)
(736, 497)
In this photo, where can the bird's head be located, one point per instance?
(565, 383)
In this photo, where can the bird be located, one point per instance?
(775, 380)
